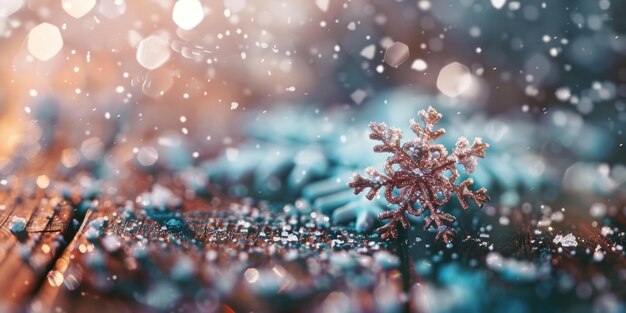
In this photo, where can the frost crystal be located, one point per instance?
(568, 240)
(420, 176)
(18, 224)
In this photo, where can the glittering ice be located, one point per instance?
(405, 170)
(568, 240)
(44, 41)
(498, 4)
(153, 52)
(18, 224)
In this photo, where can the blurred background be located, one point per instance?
(270, 100)
(559, 63)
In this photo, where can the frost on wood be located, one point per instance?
(419, 177)
(18, 224)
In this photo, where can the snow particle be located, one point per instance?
(454, 79)
(396, 54)
(322, 5)
(234, 6)
(498, 4)
(112, 8)
(8, 7)
(42, 181)
(187, 14)
(147, 156)
(598, 255)
(563, 94)
(251, 275)
(597, 210)
(153, 52)
(369, 52)
(44, 41)
(78, 8)
(424, 5)
(358, 96)
(568, 240)
(419, 65)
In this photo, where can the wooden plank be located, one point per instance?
(219, 256)
(28, 261)
(15, 274)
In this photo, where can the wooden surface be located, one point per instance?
(226, 255)
(54, 265)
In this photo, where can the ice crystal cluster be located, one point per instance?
(419, 177)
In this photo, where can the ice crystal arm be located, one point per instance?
(390, 137)
(396, 218)
(427, 133)
(467, 155)
(375, 181)
(463, 193)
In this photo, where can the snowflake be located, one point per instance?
(420, 176)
